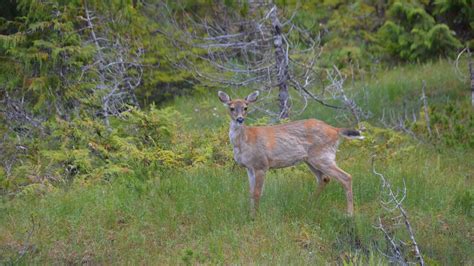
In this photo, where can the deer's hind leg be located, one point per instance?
(346, 181)
(320, 178)
(329, 168)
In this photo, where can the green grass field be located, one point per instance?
(199, 214)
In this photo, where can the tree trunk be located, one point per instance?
(281, 58)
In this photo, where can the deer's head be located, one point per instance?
(238, 107)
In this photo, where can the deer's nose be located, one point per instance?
(239, 120)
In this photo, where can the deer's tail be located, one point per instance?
(350, 133)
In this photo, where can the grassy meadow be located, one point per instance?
(198, 214)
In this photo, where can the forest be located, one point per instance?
(115, 149)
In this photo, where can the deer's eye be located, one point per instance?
(245, 108)
(232, 109)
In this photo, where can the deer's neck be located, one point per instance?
(236, 133)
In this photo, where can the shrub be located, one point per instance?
(84, 149)
(411, 34)
(140, 145)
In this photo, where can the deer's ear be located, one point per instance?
(223, 97)
(252, 97)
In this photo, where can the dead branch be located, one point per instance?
(117, 67)
(256, 53)
(397, 255)
(336, 89)
(394, 204)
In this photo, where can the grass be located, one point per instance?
(199, 214)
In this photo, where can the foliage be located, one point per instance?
(411, 34)
(459, 15)
(41, 47)
(60, 58)
(350, 34)
(357, 34)
(141, 143)
(51, 62)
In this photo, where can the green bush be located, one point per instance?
(141, 144)
(459, 15)
(84, 149)
(411, 34)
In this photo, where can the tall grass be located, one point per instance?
(201, 216)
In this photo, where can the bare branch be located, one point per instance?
(336, 88)
(456, 64)
(396, 202)
(253, 53)
(119, 68)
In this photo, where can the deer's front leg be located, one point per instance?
(251, 174)
(256, 181)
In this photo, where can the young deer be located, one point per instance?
(265, 147)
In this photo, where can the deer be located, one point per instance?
(261, 148)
